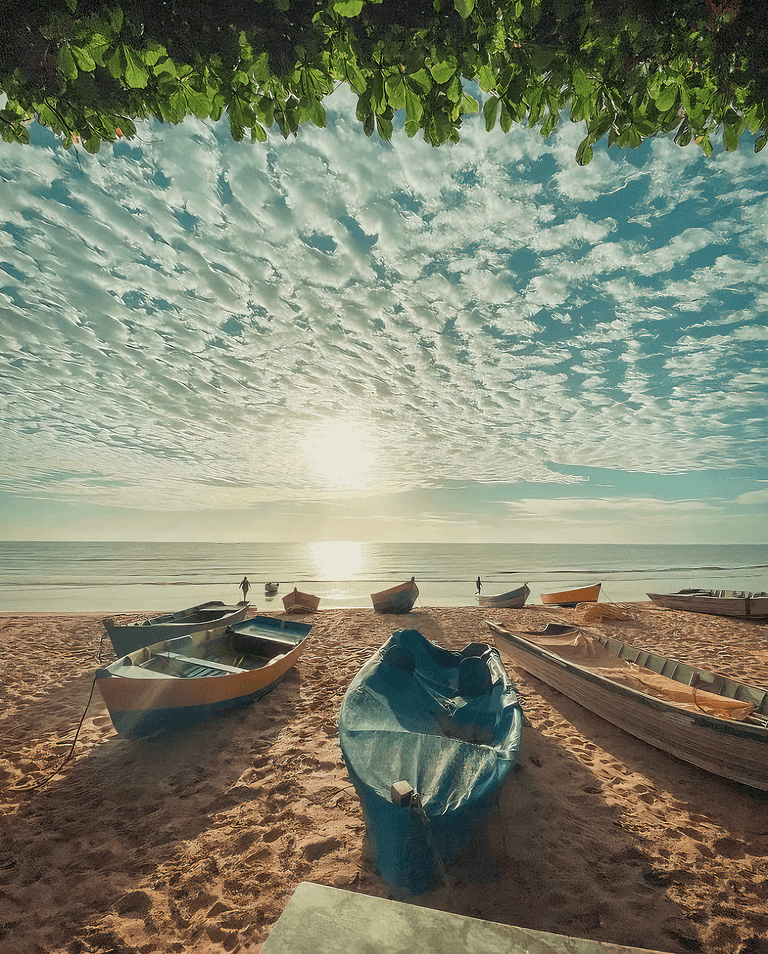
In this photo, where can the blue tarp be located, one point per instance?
(449, 724)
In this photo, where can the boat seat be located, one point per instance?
(204, 663)
(474, 677)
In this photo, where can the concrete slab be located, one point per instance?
(323, 920)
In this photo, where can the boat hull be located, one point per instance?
(715, 603)
(733, 750)
(127, 639)
(142, 701)
(298, 602)
(514, 599)
(583, 594)
(453, 745)
(397, 599)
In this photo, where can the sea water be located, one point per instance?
(137, 577)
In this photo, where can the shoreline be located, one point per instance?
(197, 843)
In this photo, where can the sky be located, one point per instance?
(336, 338)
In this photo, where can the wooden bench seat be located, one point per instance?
(192, 661)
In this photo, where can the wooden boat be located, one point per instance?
(397, 599)
(698, 716)
(514, 599)
(736, 603)
(583, 594)
(175, 683)
(203, 616)
(297, 602)
(428, 737)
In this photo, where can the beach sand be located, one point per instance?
(196, 843)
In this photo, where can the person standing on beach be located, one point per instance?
(479, 585)
(245, 586)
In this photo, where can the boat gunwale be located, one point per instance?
(725, 726)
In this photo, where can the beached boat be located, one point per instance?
(514, 599)
(175, 683)
(698, 716)
(428, 737)
(126, 638)
(582, 594)
(397, 599)
(298, 602)
(736, 603)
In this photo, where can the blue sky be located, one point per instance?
(332, 337)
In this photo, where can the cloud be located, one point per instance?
(181, 312)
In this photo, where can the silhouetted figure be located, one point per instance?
(479, 585)
(245, 586)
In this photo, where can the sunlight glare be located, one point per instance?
(337, 559)
(342, 455)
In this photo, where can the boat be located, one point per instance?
(397, 599)
(514, 599)
(736, 603)
(428, 736)
(700, 717)
(298, 602)
(126, 638)
(177, 682)
(270, 589)
(583, 594)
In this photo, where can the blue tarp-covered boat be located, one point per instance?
(428, 737)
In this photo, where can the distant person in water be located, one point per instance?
(245, 586)
(479, 585)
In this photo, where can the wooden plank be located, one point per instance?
(193, 661)
(332, 921)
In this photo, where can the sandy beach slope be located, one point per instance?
(196, 843)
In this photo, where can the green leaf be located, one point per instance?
(413, 108)
(258, 132)
(760, 142)
(395, 88)
(348, 8)
(66, 63)
(490, 110)
(730, 137)
(419, 81)
(83, 59)
(136, 74)
(667, 98)
(464, 7)
(117, 63)
(584, 152)
(411, 128)
(442, 72)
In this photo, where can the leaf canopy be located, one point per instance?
(628, 69)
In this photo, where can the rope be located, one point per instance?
(68, 756)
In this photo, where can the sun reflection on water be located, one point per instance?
(338, 559)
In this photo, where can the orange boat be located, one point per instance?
(583, 594)
(298, 602)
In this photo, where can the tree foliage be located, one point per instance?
(90, 70)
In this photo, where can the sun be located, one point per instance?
(342, 455)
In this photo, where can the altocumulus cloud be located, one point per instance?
(182, 313)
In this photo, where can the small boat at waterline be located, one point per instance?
(429, 737)
(514, 599)
(735, 603)
(126, 638)
(582, 594)
(700, 717)
(177, 682)
(298, 602)
(397, 599)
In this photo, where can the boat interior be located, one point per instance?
(229, 653)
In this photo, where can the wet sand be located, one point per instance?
(196, 843)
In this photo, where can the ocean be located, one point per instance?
(137, 577)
